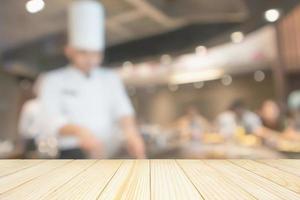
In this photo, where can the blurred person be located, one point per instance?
(29, 125)
(238, 119)
(85, 105)
(293, 127)
(193, 125)
(271, 116)
(29, 122)
(226, 124)
(35, 144)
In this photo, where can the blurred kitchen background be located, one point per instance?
(179, 59)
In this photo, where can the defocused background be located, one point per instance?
(185, 64)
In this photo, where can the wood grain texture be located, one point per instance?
(280, 177)
(12, 166)
(27, 174)
(150, 179)
(211, 183)
(291, 166)
(89, 184)
(168, 181)
(258, 186)
(48, 182)
(132, 181)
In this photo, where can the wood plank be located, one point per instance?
(168, 181)
(132, 181)
(211, 183)
(14, 180)
(12, 166)
(258, 186)
(291, 166)
(280, 177)
(44, 185)
(89, 184)
(150, 179)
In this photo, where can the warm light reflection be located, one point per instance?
(192, 76)
(237, 37)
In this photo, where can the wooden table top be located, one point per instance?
(150, 179)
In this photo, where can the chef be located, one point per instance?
(84, 105)
(28, 124)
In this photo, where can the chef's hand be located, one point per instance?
(90, 143)
(135, 143)
(136, 148)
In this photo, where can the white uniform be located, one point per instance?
(29, 126)
(227, 122)
(294, 100)
(294, 106)
(96, 102)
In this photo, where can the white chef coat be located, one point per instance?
(227, 122)
(29, 119)
(294, 100)
(96, 102)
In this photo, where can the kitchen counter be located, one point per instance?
(228, 151)
(150, 179)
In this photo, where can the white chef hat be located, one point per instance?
(87, 25)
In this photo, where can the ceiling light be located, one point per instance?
(237, 37)
(198, 76)
(259, 76)
(226, 80)
(272, 15)
(34, 6)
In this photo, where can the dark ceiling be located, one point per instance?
(184, 35)
(196, 34)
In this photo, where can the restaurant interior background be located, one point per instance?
(174, 57)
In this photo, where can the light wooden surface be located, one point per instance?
(150, 179)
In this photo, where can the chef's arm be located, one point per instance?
(136, 146)
(88, 141)
(72, 130)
